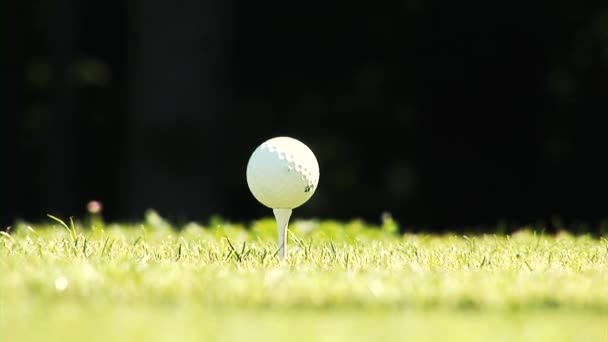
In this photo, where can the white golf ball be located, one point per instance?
(282, 173)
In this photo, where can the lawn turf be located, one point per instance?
(342, 282)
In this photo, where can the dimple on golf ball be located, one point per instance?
(282, 173)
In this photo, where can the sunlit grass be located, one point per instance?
(152, 281)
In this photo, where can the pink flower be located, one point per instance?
(94, 207)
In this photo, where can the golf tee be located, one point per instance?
(282, 217)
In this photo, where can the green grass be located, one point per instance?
(342, 282)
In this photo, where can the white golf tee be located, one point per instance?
(282, 217)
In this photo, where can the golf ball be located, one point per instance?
(282, 173)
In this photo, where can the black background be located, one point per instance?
(446, 114)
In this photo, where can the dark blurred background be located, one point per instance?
(444, 114)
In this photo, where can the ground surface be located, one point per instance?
(342, 282)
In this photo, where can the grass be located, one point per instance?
(342, 282)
